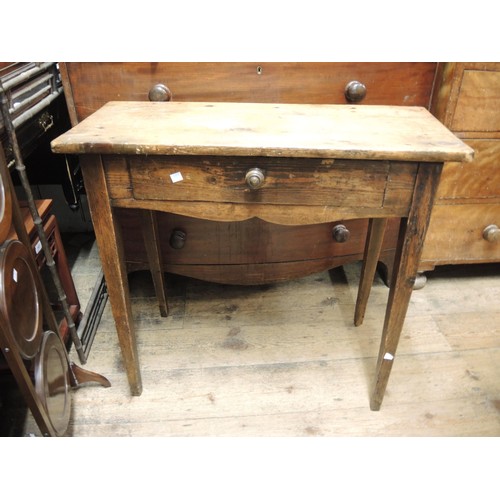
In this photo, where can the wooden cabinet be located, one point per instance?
(466, 217)
(252, 251)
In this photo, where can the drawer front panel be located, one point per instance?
(407, 84)
(478, 179)
(248, 242)
(286, 181)
(478, 103)
(455, 234)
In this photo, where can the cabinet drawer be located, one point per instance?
(248, 242)
(455, 234)
(478, 179)
(478, 103)
(287, 181)
(94, 84)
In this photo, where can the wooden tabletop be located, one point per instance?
(250, 129)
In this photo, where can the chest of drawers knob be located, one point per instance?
(355, 91)
(491, 233)
(255, 178)
(160, 93)
(178, 239)
(340, 233)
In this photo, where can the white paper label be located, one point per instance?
(388, 356)
(177, 177)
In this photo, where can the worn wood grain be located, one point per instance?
(412, 236)
(478, 102)
(287, 181)
(457, 234)
(113, 266)
(292, 130)
(274, 214)
(473, 182)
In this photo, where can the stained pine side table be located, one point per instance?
(284, 163)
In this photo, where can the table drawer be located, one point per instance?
(290, 181)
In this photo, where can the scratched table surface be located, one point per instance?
(249, 129)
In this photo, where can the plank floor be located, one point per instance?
(286, 360)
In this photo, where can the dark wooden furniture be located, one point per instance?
(465, 223)
(38, 110)
(31, 344)
(287, 164)
(253, 251)
(58, 252)
(27, 320)
(34, 102)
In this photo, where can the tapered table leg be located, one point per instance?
(374, 240)
(110, 244)
(411, 240)
(153, 250)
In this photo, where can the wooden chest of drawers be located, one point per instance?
(465, 222)
(252, 251)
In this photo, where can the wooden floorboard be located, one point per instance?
(286, 360)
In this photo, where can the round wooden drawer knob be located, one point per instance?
(491, 233)
(160, 93)
(178, 239)
(355, 91)
(255, 178)
(340, 233)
